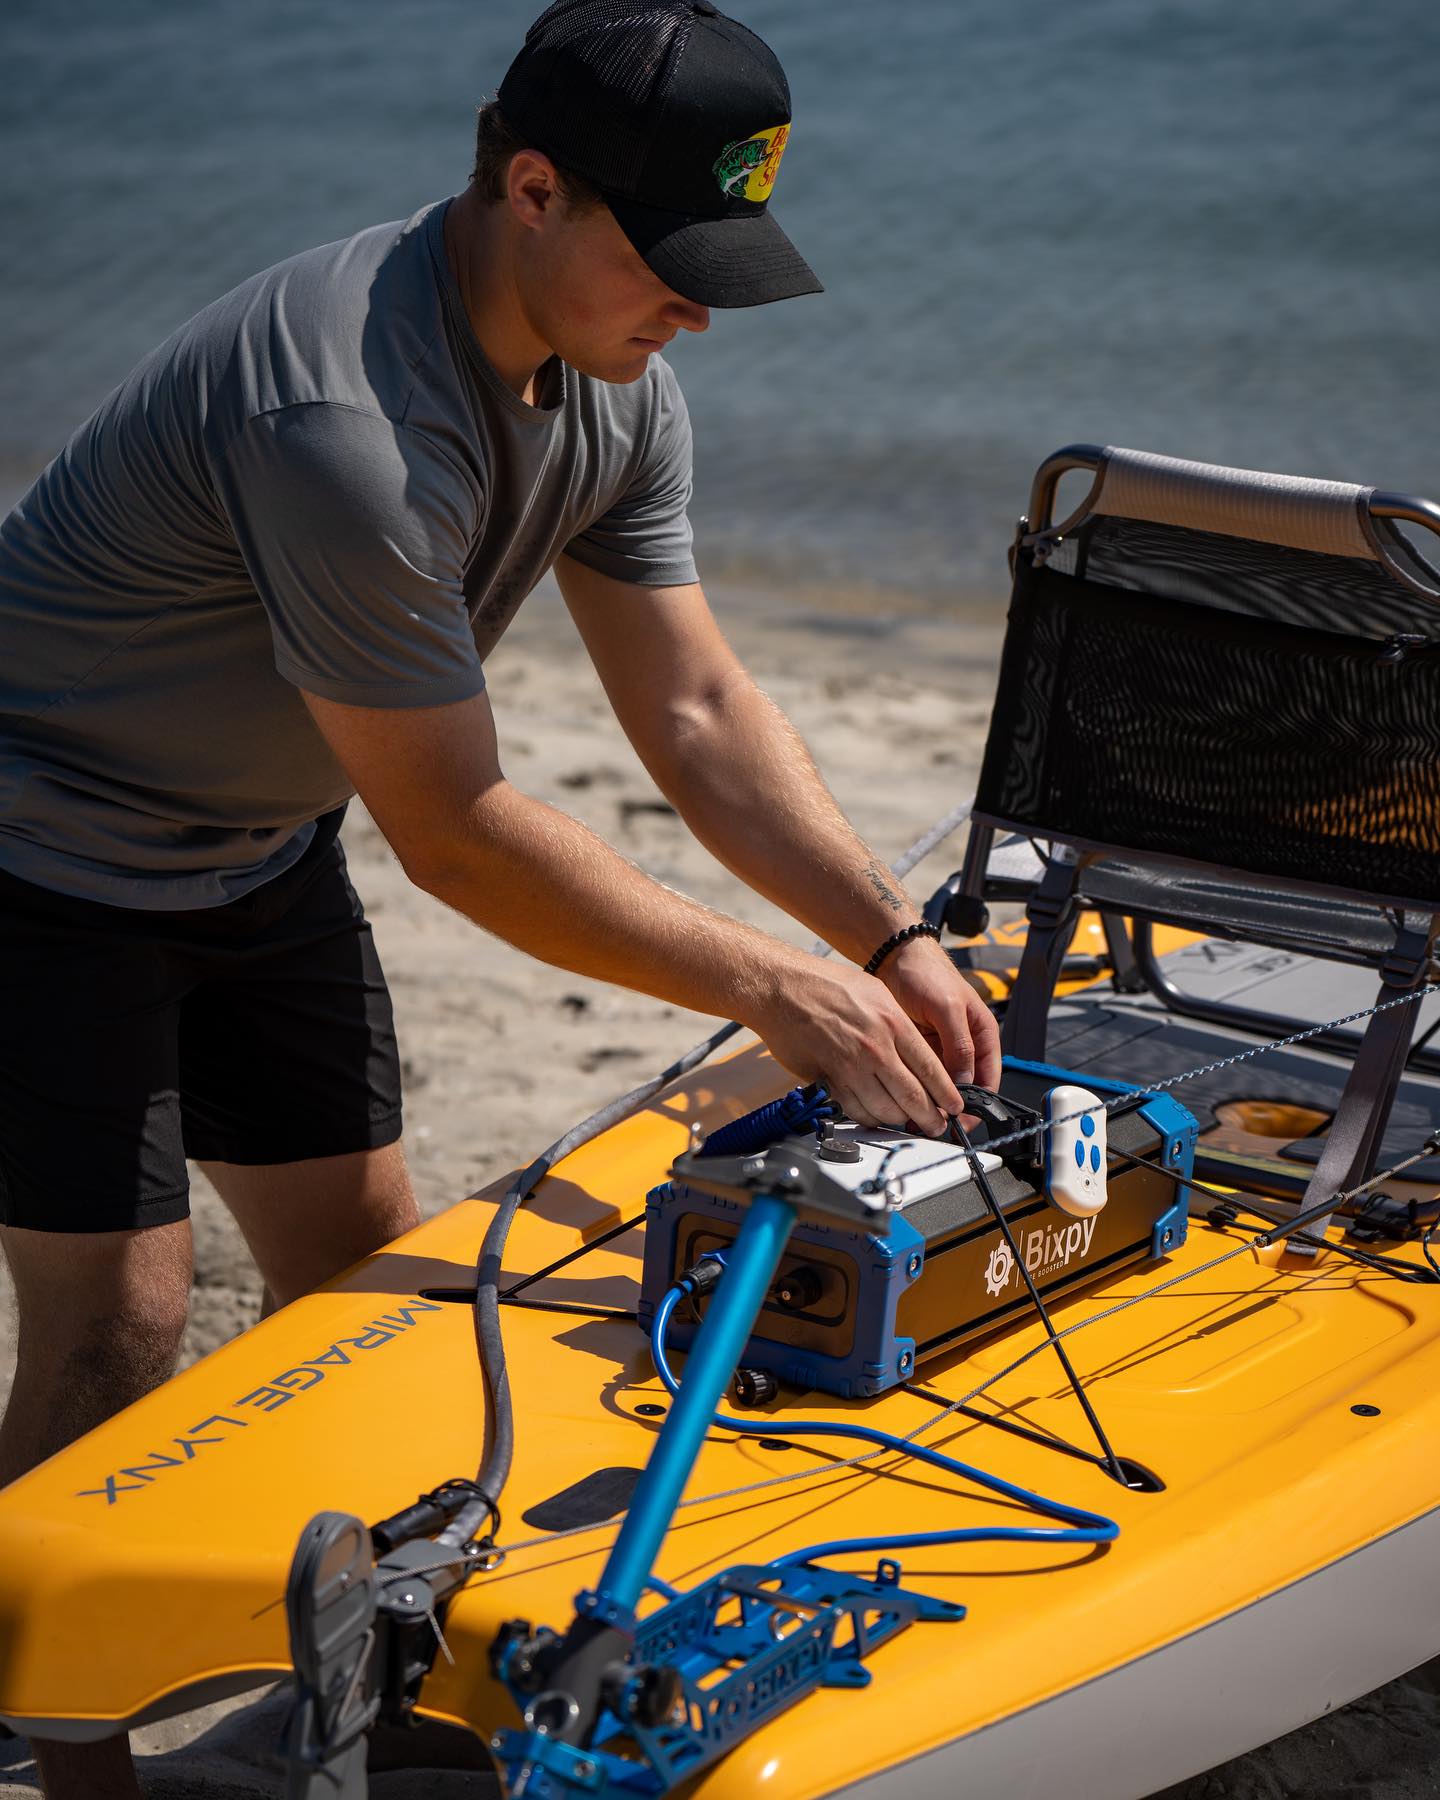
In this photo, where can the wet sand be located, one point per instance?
(501, 1054)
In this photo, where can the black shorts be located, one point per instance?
(256, 1032)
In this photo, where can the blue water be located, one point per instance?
(1209, 227)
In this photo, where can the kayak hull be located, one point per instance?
(1284, 1565)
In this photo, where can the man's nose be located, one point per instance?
(688, 315)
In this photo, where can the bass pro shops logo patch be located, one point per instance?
(747, 168)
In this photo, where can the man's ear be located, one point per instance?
(532, 187)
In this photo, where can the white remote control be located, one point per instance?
(1075, 1150)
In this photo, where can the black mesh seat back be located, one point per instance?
(1223, 702)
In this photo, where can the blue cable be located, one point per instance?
(1082, 1527)
(799, 1110)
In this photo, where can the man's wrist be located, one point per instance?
(898, 941)
(762, 975)
(911, 957)
(890, 910)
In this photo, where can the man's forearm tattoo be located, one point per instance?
(876, 876)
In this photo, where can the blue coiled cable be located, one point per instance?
(799, 1110)
(1080, 1526)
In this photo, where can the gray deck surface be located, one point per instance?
(1134, 1038)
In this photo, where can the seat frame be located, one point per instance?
(1403, 953)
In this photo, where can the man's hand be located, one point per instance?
(828, 1022)
(951, 1016)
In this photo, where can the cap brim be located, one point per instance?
(744, 260)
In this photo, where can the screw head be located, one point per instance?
(913, 1266)
(1365, 1411)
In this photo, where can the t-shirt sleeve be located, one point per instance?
(355, 531)
(644, 534)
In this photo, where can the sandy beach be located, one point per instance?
(502, 1053)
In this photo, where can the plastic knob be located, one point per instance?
(966, 915)
(754, 1387)
(798, 1289)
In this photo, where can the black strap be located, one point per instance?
(1052, 913)
(1352, 1143)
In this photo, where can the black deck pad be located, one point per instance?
(589, 1502)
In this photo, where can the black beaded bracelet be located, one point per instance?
(923, 929)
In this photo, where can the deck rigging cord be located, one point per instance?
(461, 1535)
(959, 1135)
(966, 1400)
(1234, 1203)
(1077, 1524)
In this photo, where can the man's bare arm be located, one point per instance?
(432, 781)
(741, 777)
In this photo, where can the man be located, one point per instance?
(263, 578)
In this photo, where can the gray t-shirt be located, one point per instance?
(318, 483)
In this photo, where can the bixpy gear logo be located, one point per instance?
(1045, 1249)
(999, 1267)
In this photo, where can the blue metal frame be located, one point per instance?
(779, 1623)
(750, 1267)
(773, 1629)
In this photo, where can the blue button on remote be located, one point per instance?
(1087, 1125)
(1095, 1158)
(1079, 1156)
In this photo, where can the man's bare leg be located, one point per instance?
(101, 1316)
(306, 1221)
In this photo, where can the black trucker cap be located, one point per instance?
(679, 116)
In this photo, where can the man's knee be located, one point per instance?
(306, 1221)
(63, 1390)
(116, 1357)
(100, 1323)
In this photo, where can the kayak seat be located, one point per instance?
(1219, 708)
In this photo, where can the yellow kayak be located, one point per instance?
(1281, 1561)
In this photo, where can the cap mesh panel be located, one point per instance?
(628, 49)
(616, 49)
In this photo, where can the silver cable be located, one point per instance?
(1041, 1126)
(466, 1523)
(929, 1423)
